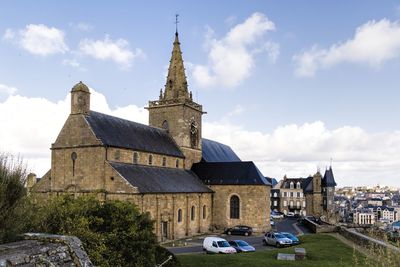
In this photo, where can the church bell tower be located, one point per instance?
(176, 112)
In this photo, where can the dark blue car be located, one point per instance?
(295, 240)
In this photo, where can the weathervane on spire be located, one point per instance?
(176, 23)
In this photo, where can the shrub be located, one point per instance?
(114, 233)
(12, 197)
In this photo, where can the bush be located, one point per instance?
(12, 198)
(114, 233)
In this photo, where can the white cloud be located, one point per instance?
(39, 39)
(359, 157)
(108, 49)
(231, 59)
(7, 90)
(73, 63)
(32, 124)
(374, 43)
(85, 27)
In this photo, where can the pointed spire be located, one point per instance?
(176, 86)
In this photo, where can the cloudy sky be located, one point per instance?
(287, 84)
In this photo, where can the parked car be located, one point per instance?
(239, 230)
(241, 246)
(272, 222)
(217, 245)
(295, 240)
(276, 215)
(276, 239)
(290, 214)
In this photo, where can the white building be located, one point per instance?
(364, 217)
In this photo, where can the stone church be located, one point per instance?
(189, 185)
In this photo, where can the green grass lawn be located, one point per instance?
(322, 250)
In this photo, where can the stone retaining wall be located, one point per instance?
(366, 241)
(324, 227)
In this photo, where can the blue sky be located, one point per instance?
(288, 84)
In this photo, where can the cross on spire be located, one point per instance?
(176, 23)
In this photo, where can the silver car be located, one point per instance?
(276, 239)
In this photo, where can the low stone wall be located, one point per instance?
(324, 227)
(44, 250)
(365, 241)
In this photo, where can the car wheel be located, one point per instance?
(246, 234)
(229, 233)
(278, 245)
(264, 242)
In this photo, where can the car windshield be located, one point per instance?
(288, 235)
(223, 244)
(242, 243)
(279, 236)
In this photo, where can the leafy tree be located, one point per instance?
(114, 233)
(12, 197)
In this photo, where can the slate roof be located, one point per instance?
(272, 181)
(329, 179)
(307, 185)
(287, 182)
(151, 179)
(229, 173)
(117, 132)
(217, 152)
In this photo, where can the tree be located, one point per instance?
(114, 233)
(12, 197)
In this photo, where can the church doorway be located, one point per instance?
(164, 230)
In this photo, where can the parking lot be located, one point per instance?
(195, 245)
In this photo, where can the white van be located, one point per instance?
(217, 245)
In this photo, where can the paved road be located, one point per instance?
(281, 225)
(290, 225)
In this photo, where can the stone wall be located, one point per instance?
(164, 208)
(254, 206)
(366, 241)
(44, 250)
(321, 227)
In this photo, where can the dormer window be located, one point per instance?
(291, 185)
(298, 185)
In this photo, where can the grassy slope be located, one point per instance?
(322, 250)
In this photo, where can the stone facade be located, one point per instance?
(252, 199)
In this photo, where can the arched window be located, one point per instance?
(165, 125)
(164, 161)
(180, 215)
(298, 185)
(150, 159)
(235, 207)
(204, 211)
(192, 213)
(177, 163)
(291, 185)
(135, 158)
(74, 156)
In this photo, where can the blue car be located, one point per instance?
(241, 246)
(295, 240)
